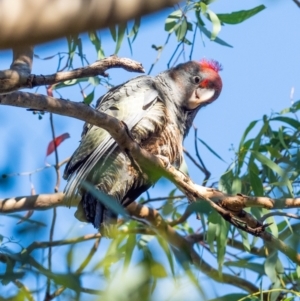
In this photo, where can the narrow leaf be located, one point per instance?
(135, 29)
(56, 142)
(240, 16)
(248, 129)
(181, 30)
(107, 200)
(113, 32)
(120, 36)
(217, 40)
(255, 181)
(266, 161)
(211, 150)
(290, 121)
(216, 24)
(172, 20)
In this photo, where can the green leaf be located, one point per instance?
(236, 186)
(97, 43)
(255, 181)
(181, 30)
(225, 182)
(209, 34)
(135, 29)
(240, 16)
(70, 82)
(230, 297)
(120, 36)
(216, 24)
(94, 80)
(172, 20)
(248, 129)
(245, 264)
(129, 248)
(88, 99)
(222, 242)
(290, 121)
(165, 246)
(113, 32)
(266, 161)
(189, 26)
(292, 109)
(270, 265)
(107, 200)
(157, 270)
(245, 240)
(211, 150)
(273, 152)
(281, 137)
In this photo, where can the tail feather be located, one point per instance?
(96, 213)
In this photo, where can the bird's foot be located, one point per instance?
(165, 161)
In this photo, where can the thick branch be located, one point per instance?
(20, 69)
(45, 20)
(32, 202)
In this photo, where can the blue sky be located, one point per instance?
(259, 73)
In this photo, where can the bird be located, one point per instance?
(158, 112)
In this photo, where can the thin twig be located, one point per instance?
(175, 197)
(278, 213)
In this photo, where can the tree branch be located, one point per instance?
(41, 20)
(19, 75)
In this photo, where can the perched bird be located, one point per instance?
(158, 112)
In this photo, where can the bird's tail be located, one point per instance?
(96, 213)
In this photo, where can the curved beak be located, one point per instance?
(200, 96)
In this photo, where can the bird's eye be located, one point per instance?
(196, 79)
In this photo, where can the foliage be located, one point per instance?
(139, 264)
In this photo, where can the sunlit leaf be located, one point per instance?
(181, 30)
(94, 80)
(266, 161)
(157, 270)
(216, 24)
(129, 248)
(172, 20)
(240, 16)
(165, 246)
(93, 36)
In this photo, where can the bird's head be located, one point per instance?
(199, 83)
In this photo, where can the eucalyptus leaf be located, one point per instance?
(240, 16)
(107, 200)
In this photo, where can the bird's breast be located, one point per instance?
(167, 143)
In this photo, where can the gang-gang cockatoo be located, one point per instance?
(158, 112)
